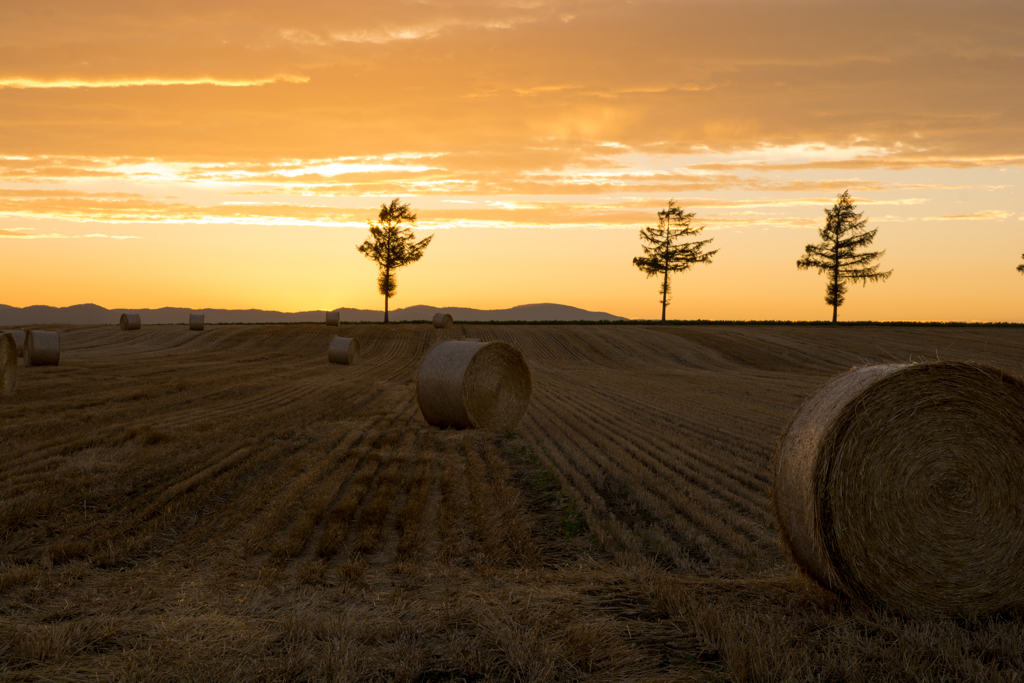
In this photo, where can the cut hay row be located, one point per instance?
(900, 486)
(270, 490)
(688, 499)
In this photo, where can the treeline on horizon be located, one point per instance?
(841, 256)
(699, 321)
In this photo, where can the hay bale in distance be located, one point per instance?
(131, 321)
(19, 339)
(901, 486)
(42, 348)
(333, 318)
(443, 321)
(8, 363)
(343, 350)
(474, 384)
(196, 321)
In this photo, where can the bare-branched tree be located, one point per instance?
(664, 254)
(392, 246)
(839, 256)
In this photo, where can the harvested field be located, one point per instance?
(227, 506)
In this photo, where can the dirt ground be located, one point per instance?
(227, 505)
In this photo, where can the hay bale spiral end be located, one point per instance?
(474, 384)
(900, 486)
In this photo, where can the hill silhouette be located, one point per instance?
(91, 314)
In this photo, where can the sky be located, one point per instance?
(229, 153)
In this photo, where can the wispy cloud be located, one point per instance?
(30, 234)
(989, 215)
(38, 83)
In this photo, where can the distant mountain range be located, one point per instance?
(91, 314)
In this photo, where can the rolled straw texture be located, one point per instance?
(42, 348)
(443, 320)
(19, 339)
(901, 486)
(131, 321)
(474, 384)
(333, 318)
(196, 321)
(343, 350)
(8, 363)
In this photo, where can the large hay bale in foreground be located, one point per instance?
(196, 321)
(474, 384)
(19, 339)
(343, 350)
(903, 486)
(131, 321)
(42, 348)
(8, 363)
(443, 321)
(333, 318)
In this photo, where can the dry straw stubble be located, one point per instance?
(131, 321)
(333, 318)
(19, 339)
(443, 321)
(343, 350)
(900, 486)
(196, 321)
(8, 363)
(474, 384)
(42, 348)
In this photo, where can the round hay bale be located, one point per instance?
(343, 350)
(19, 339)
(474, 384)
(333, 318)
(196, 321)
(901, 486)
(8, 363)
(42, 348)
(131, 321)
(443, 321)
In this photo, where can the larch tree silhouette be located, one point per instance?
(665, 254)
(839, 255)
(392, 246)
(1020, 268)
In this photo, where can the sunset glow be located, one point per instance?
(228, 154)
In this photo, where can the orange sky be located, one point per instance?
(228, 154)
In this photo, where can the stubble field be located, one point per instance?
(226, 505)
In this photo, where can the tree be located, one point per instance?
(393, 246)
(662, 253)
(837, 256)
(1020, 268)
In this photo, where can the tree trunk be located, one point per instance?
(664, 296)
(386, 309)
(835, 284)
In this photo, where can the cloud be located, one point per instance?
(989, 215)
(492, 81)
(26, 83)
(29, 234)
